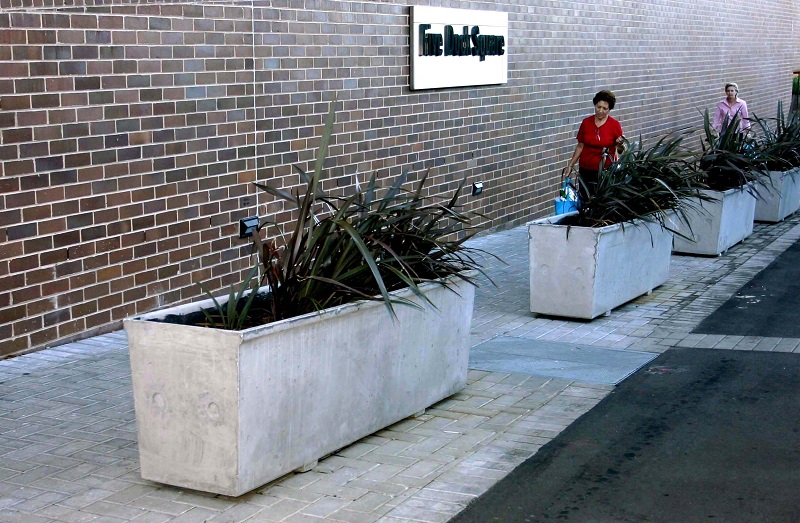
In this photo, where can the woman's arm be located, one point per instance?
(575, 156)
(719, 117)
(620, 143)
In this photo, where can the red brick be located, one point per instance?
(96, 320)
(11, 314)
(42, 337)
(35, 213)
(26, 294)
(35, 276)
(50, 227)
(71, 327)
(11, 345)
(27, 325)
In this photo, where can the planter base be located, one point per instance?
(228, 411)
(585, 272)
(779, 199)
(717, 225)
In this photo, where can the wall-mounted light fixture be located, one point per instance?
(247, 226)
(477, 188)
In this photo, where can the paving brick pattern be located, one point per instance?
(68, 442)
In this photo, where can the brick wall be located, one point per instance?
(130, 133)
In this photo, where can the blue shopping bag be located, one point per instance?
(564, 206)
(567, 201)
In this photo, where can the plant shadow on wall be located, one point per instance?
(341, 249)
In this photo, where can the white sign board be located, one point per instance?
(457, 47)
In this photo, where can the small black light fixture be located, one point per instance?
(477, 188)
(247, 226)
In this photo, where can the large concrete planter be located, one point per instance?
(780, 198)
(583, 272)
(226, 412)
(717, 225)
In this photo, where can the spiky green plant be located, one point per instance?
(779, 141)
(342, 248)
(729, 158)
(647, 183)
(233, 313)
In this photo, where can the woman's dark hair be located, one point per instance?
(605, 96)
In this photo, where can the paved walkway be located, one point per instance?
(68, 440)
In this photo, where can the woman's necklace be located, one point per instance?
(597, 125)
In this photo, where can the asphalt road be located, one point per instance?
(696, 435)
(768, 305)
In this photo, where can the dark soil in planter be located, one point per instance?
(724, 183)
(260, 313)
(572, 219)
(725, 178)
(575, 220)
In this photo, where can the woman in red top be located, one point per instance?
(599, 136)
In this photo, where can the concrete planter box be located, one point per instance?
(780, 198)
(583, 272)
(716, 226)
(226, 412)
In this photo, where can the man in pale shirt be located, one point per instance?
(731, 106)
